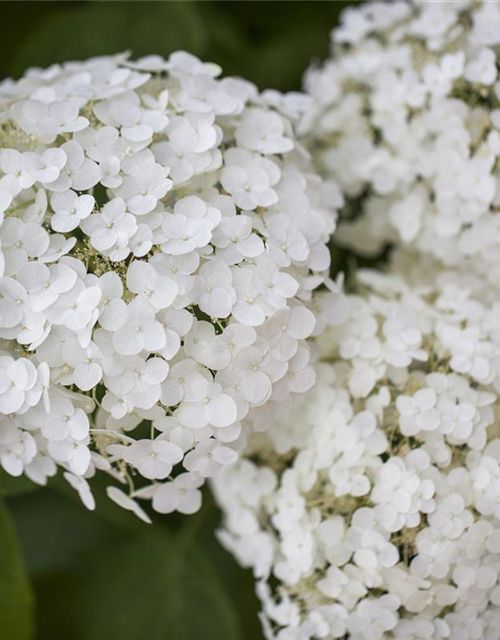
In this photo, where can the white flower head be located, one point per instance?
(140, 272)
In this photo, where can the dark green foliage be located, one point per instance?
(106, 575)
(270, 43)
(10, 486)
(16, 603)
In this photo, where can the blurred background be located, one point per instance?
(66, 573)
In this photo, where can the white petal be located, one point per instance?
(87, 376)
(224, 455)
(221, 411)
(166, 499)
(127, 503)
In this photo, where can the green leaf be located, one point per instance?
(277, 41)
(284, 56)
(11, 486)
(239, 583)
(81, 30)
(16, 621)
(17, 24)
(106, 575)
(177, 594)
(270, 44)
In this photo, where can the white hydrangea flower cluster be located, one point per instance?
(372, 508)
(162, 234)
(406, 117)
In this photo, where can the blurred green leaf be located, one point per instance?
(281, 39)
(83, 29)
(239, 583)
(106, 575)
(16, 620)
(10, 486)
(269, 43)
(16, 25)
(229, 43)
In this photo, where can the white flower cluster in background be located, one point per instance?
(162, 234)
(406, 117)
(371, 510)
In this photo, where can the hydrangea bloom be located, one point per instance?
(370, 508)
(405, 117)
(162, 234)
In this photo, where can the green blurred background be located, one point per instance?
(66, 573)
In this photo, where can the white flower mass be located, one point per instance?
(374, 501)
(167, 312)
(370, 508)
(406, 117)
(162, 236)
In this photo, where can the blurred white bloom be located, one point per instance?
(381, 518)
(404, 117)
